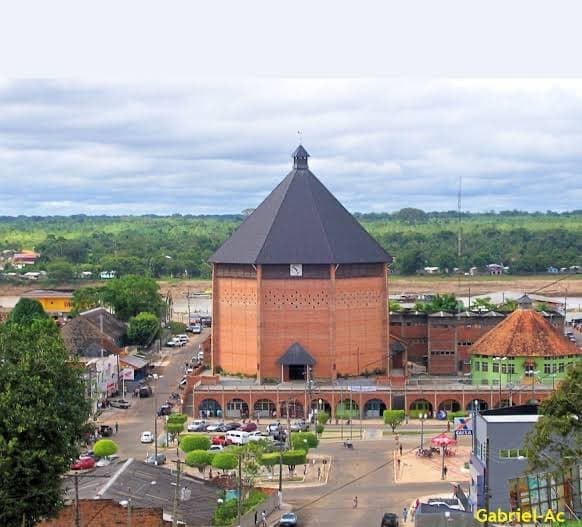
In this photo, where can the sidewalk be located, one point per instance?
(316, 474)
(415, 469)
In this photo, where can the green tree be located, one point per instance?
(131, 295)
(86, 298)
(60, 270)
(322, 418)
(174, 429)
(304, 440)
(177, 418)
(197, 458)
(394, 306)
(42, 415)
(555, 441)
(25, 311)
(105, 448)
(411, 216)
(483, 304)
(191, 442)
(143, 328)
(225, 461)
(393, 418)
(508, 306)
(270, 459)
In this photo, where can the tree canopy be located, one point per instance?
(105, 447)
(42, 414)
(191, 442)
(131, 295)
(555, 441)
(25, 311)
(143, 328)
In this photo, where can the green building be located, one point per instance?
(523, 349)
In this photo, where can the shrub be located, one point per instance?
(177, 327)
(304, 440)
(451, 415)
(292, 458)
(198, 459)
(177, 418)
(322, 418)
(270, 459)
(191, 442)
(225, 461)
(319, 428)
(105, 448)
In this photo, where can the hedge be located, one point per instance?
(194, 442)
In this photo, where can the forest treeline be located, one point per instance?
(180, 245)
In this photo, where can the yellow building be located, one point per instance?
(53, 301)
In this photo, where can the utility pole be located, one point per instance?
(77, 509)
(188, 299)
(176, 496)
(239, 501)
(129, 508)
(156, 431)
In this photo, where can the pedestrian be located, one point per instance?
(355, 502)
(318, 473)
(412, 512)
(417, 504)
(305, 469)
(404, 513)
(445, 470)
(398, 461)
(279, 499)
(264, 517)
(256, 517)
(448, 426)
(210, 477)
(400, 447)
(116, 427)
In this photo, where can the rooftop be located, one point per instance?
(300, 221)
(524, 333)
(511, 418)
(44, 293)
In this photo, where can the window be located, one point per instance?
(561, 367)
(512, 453)
(504, 368)
(554, 368)
(495, 367)
(547, 368)
(477, 365)
(511, 368)
(484, 366)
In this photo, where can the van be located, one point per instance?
(237, 437)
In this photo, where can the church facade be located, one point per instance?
(300, 289)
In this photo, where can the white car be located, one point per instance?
(258, 436)
(215, 448)
(211, 427)
(147, 437)
(198, 425)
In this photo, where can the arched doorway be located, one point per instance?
(347, 409)
(294, 408)
(237, 408)
(502, 403)
(477, 404)
(321, 405)
(264, 408)
(419, 407)
(209, 408)
(450, 405)
(374, 408)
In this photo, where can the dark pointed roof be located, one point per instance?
(296, 354)
(300, 221)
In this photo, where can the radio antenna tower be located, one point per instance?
(459, 228)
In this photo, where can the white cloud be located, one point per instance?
(221, 146)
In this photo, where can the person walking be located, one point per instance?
(116, 427)
(398, 461)
(445, 470)
(355, 502)
(256, 517)
(264, 518)
(400, 448)
(405, 513)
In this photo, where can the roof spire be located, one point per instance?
(300, 157)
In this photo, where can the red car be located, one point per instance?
(248, 427)
(83, 463)
(220, 440)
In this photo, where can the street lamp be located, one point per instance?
(422, 418)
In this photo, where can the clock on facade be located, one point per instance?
(296, 270)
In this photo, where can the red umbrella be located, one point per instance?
(443, 440)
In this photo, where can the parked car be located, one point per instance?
(173, 342)
(277, 445)
(153, 460)
(206, 321)
(220, 440)
(83, 463)
(232, 426)
(183, 338)
(299, 426)
(288, 519)
(389, 520)
(195, 328)
(105, 431)
(236, 437)
(258, 436)
(147, 437)
(198, 425)
(248, 427)
(215, 448)
(273, 428)
(120, 403)
(222, 428)
(213, 427)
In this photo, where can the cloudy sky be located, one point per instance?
(70, 147)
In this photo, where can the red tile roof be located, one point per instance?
(524, 333)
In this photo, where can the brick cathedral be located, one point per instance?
(300, 288)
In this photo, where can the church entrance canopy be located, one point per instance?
(295, 362)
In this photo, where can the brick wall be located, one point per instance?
(106, 513)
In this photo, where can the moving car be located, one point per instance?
(288, 519)
(147, 437)
(120, 403)
(165, 409)
(105, 431)
(389, 520)
(183, 338)
(195, 328)
(153, 460)
(145, 390)
(198, 425)
(83, 463)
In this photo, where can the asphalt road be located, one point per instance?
(141, 416)
(365, 472)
